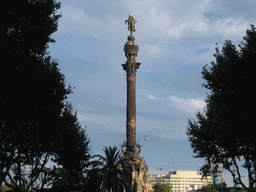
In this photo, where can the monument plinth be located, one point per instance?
(134, 164)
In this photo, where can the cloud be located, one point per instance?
(187, 105)
(158, 22)
(162, 128)
(79, 20)
(151, 97)
(101, 118)
(153, 50)
(104, 122)
(154, 117)
(230, 27)
(115, 124)
(74, 20)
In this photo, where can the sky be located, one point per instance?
(175, 38)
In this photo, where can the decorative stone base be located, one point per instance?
(138, 170)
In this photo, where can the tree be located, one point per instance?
(106, 173)
(32, 91)
(72, 141)
(5, 188)
(225, 132)
(214, 188)
(160, 187)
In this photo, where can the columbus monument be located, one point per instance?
(134, 164)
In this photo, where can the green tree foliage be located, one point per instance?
(21, 188)
(107, 174)
(72, 153)
(33, 92)
(160, 187)
(238, 189)
(32, 88)
(73, 141)
(225, 133)
(5, 188)
(214, 188)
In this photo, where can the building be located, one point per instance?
(181, 181)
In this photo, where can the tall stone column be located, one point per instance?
(134, 164)
(131, 66)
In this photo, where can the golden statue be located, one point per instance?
(131, 23)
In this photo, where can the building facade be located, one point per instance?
(181, 181)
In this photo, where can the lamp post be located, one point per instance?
(160, 174)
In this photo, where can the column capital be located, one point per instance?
(131, 68)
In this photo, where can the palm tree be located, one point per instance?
(107, 174)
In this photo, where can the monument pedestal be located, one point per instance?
(138, 170)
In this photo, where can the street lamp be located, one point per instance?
(160, 173)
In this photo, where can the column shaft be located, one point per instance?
(131, 112)
(130, 69)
